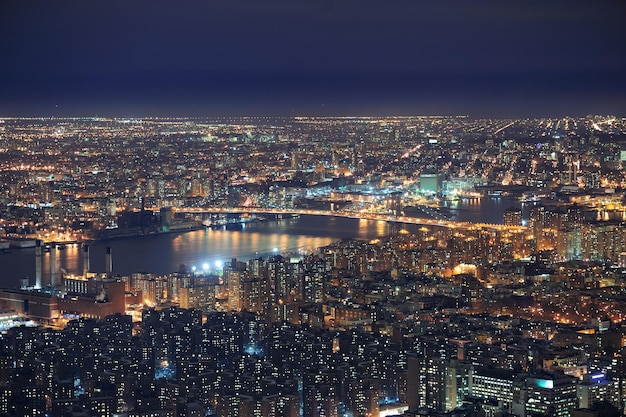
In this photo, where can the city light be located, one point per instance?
(489, 250)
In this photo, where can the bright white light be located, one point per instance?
(205, 266)
(275, 249)
(193, 268)
(218, 264)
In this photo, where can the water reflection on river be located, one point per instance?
(164, 253)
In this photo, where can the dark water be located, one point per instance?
(482, 210)
(164, 253)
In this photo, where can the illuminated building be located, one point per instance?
(570, 244)
(28, 401)
(389, 410)
(545, 393)
(430, 183)
(280, 405)
(492, 383)
(574, 217)
(314, 279)
(234, 280)
(512, 217)
(603, 241)
(200, 297)
(595, 388)
(426, 382)
(37, 305)
(101, 297)
(365, 398)
(254, 295)
(320, 400)
(458, 382)
(176, 281)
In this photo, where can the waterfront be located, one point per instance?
(165, 253)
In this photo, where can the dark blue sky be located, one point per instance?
(326, 57)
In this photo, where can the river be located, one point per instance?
(162, 254)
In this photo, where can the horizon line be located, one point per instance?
(303, 116)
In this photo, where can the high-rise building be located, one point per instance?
(512, 216)
(320, 400)
(313, 282)
(253, 295)
(234, 279)
(200, 297)
(426, 382)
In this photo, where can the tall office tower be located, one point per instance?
(571, 234)
(175, 282)
(539, 222)
(574, 167)
(618, 364)
(257, 268)
(458, 382)
(611, 241)
(569, 245)
(335, 158)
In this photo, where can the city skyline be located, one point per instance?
(179, 270)
(323, 208)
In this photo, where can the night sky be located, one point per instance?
(312, 57)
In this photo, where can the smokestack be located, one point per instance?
(85, 260)
(38, 260)
(109, 262)
(53, 264)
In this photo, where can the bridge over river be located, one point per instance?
(348, 214)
